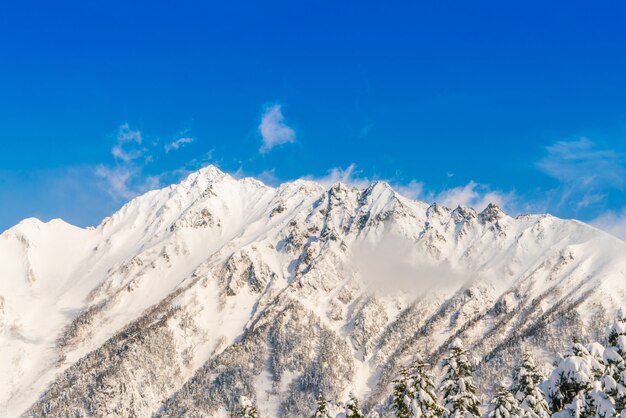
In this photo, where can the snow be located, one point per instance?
(304, 240)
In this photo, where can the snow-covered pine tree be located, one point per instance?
(459, 397)
(598, 403)
(614, 381)
(524, 388)
(402, 395)
(425, 403)
(247, 409)
(352, 408)
(505, 405)
(322, 408)
(617, 329)
(571, 380)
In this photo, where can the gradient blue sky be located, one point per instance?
(523, 103)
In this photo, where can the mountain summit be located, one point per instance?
(195, 297)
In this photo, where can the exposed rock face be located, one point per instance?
(195, 297)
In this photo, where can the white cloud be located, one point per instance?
(123, 182)
(349, 175)
(612, 222)
(583, 162)
(273, 129)
(125, 179)
(413, 189)
(116, 179)
(126, 148)
(474, 195)
(584, 171)
(392, 264)
(177, 144)
(268, 177)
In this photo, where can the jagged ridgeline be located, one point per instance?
(221, 296)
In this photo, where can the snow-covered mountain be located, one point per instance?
(193, 297)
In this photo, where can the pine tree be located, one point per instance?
(322, 408)
(459, 397)
(598, 403)
(614, 381)
(402, 395)
(352, 408)
(505, 405)
(618, 329)
(247, 409)
(524, 388)
(425, 402)
(571, 381)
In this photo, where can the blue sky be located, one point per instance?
(461, 102)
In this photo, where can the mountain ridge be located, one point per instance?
(204, 266)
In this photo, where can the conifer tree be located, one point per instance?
(247, 409)
(614, 381)
(505, 405)
(322, 408)
(402, 395)
(598, 403)
(425, 403)
(571, 380)
(459, 397)
(524, 388)
(352, 408)
(617, 329)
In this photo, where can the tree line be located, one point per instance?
(588, 381)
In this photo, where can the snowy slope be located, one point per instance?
(192, 297)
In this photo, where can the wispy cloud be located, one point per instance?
(584, 170)
(125, 179)
(177, 144)
(123, 182)
(474, 195)
(349, 175)
(127, 148)
(613, 222)
(83, 194)
(273, 129)
(116, 178)
(413, 189)
(269, 177)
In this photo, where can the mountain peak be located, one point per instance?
(491, 213)
(211, 173)
(204, 177)
(379, 186)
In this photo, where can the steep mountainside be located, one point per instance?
(191, 298)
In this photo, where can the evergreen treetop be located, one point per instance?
(458, 389)
(322, 408)
(505, 405)
(402, 395)
(352, 408)
(526, 378)
(425, 403)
